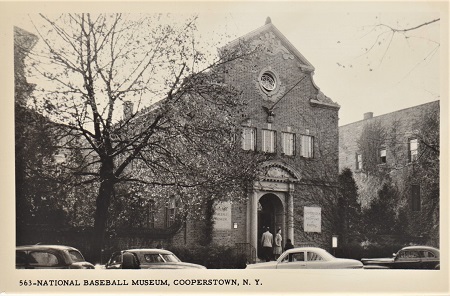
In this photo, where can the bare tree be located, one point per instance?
(380, 37)
(91, 64)
(387, 33)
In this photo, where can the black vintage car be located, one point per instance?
(413, 257)
(50, 257)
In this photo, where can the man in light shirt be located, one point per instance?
(266, 242)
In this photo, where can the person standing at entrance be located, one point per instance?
(277, 248)
(266, 242)
(288, 245)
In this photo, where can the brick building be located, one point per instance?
(403, 150)
(289, 118)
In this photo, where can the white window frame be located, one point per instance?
(383, 158)
(413, 149)
(288, 143)
(359, 162)
(307, 148)
(248, 138)
(269, 145)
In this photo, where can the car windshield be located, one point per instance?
(76, 256)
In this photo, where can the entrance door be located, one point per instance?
(269, 210)
(265, 219)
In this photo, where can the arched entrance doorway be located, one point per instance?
(271, 203)
(270, 214)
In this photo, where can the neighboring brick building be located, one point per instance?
(289, 118)
(407, 153)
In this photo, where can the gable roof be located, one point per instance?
(289, 52)
(269, 27)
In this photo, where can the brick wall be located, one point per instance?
(306, 195)
(400, 127)
(294, 113)
(404, 121)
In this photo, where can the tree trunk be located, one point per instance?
(103, 201)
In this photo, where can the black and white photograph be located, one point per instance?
(201, 145)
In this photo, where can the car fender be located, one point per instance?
(129, 261)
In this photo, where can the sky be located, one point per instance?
(359, 64)
(392, 75)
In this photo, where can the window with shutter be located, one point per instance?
(359, 164)
(248, 138)
(268, 141)
(413, 149)
(383, 155)
(288, 143)
(307, 146)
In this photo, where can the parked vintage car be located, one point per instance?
(307, 258)
(414, 257)
(148, 259)
(50, 256)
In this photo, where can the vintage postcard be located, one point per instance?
(225, 147)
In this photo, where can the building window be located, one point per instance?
(248, 138)
(288, 143)
(413, 149)
(383, 155)
(268, 141)
(268, 81)
(170, 212)
(359, 164)
(151, 214)
(307, 146)
(415, 198)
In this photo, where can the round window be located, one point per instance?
(268, 82)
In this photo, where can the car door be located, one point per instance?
(408, 259)
(294, 260)
(429, 260)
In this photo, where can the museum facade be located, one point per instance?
(291, 119)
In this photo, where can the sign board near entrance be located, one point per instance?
(222, 215)
(312, 219)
